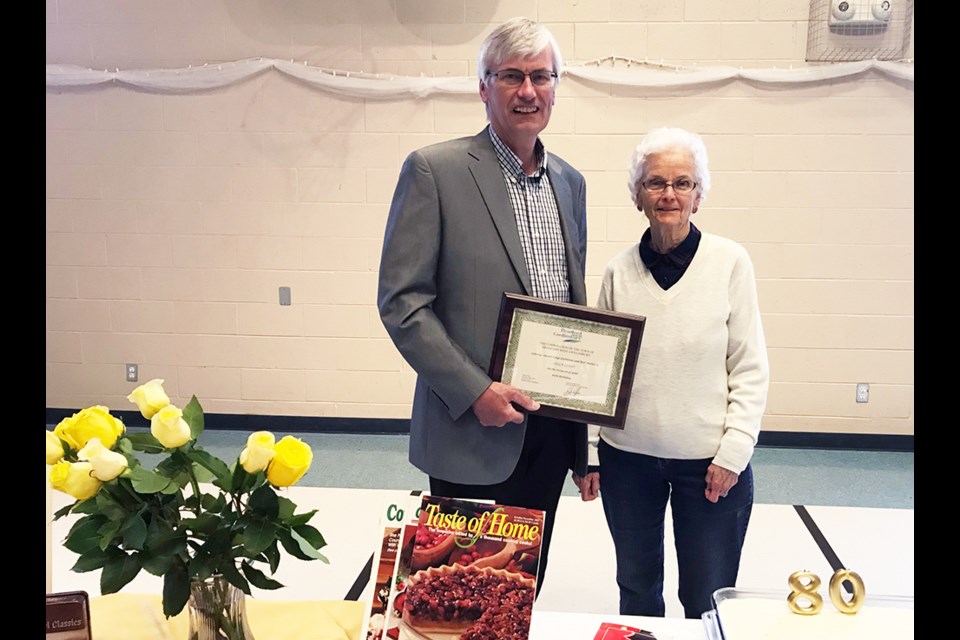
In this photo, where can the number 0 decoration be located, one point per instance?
(805, 599)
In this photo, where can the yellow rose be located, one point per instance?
(92, 422)
(75, 479)
(106, 464)
(54, 448)
(149, 397)
(292, 459)
(258, 453)
(169, 427)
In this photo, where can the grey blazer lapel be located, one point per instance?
(489, 178)
(565, 203)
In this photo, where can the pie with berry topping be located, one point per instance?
(478, 603)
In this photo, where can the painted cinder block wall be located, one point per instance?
(173, 219)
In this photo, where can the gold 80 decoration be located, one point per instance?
(804, 586)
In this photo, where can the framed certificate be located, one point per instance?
(576, 361)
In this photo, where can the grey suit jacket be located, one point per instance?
(451, 248)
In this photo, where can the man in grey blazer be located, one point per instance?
(471, 219)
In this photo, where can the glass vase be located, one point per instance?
(218, 610)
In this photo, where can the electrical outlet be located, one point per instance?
(133, 372)
(863, 392)
(285, 295)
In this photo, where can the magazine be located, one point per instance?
(394, 520)
(383, 566)
(401, 573)
(470, 572)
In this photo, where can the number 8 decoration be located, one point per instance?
(804, 586)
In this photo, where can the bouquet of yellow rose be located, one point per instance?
(135, 518)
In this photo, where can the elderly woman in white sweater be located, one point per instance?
(698, 395)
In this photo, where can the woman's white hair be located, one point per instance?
(663, 139)
(521, 37)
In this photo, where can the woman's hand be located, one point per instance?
(589, 485)
(719, 482)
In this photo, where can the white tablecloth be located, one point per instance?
(552, 625)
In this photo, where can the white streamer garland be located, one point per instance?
(636, 73)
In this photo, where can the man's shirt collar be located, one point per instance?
(511, 163)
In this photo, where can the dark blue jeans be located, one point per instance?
(709, 537)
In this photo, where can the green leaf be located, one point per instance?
(212, 503)
(134, 532)
(94, 559)
(144, 441)
(263, 502)
(157, 565)
(299, 519)
(124, 446)
(212, 553)
(298, 547)
(108, 506)
(193, 416)
(177, 463)
(147, 482)
(287, 508)
(108, 531)
(122, 493)
(258, 535)
(66, 447)
(233, 576)
(308, 548)
(203, 474)
(215, 465)
(84, 534)
(285, 536)
(206, 524)
(176, 590)
(118, 572)
(162, 548)
(85, 506)
(257, 577)
(63, 511)
(272, 555)
(243, 482)
(201, 567)
(311, 535)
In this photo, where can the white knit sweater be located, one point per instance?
(702, 375)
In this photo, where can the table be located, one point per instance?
(132, 616)
(554, 625)
(877, 543)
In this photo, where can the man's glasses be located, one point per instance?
(515, 77)
(680, 185)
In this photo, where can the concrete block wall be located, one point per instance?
(172, 220)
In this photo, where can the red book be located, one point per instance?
(614, 631)
(68, 616)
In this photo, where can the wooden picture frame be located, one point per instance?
(577, 361)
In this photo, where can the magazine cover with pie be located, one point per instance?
(473, 571)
